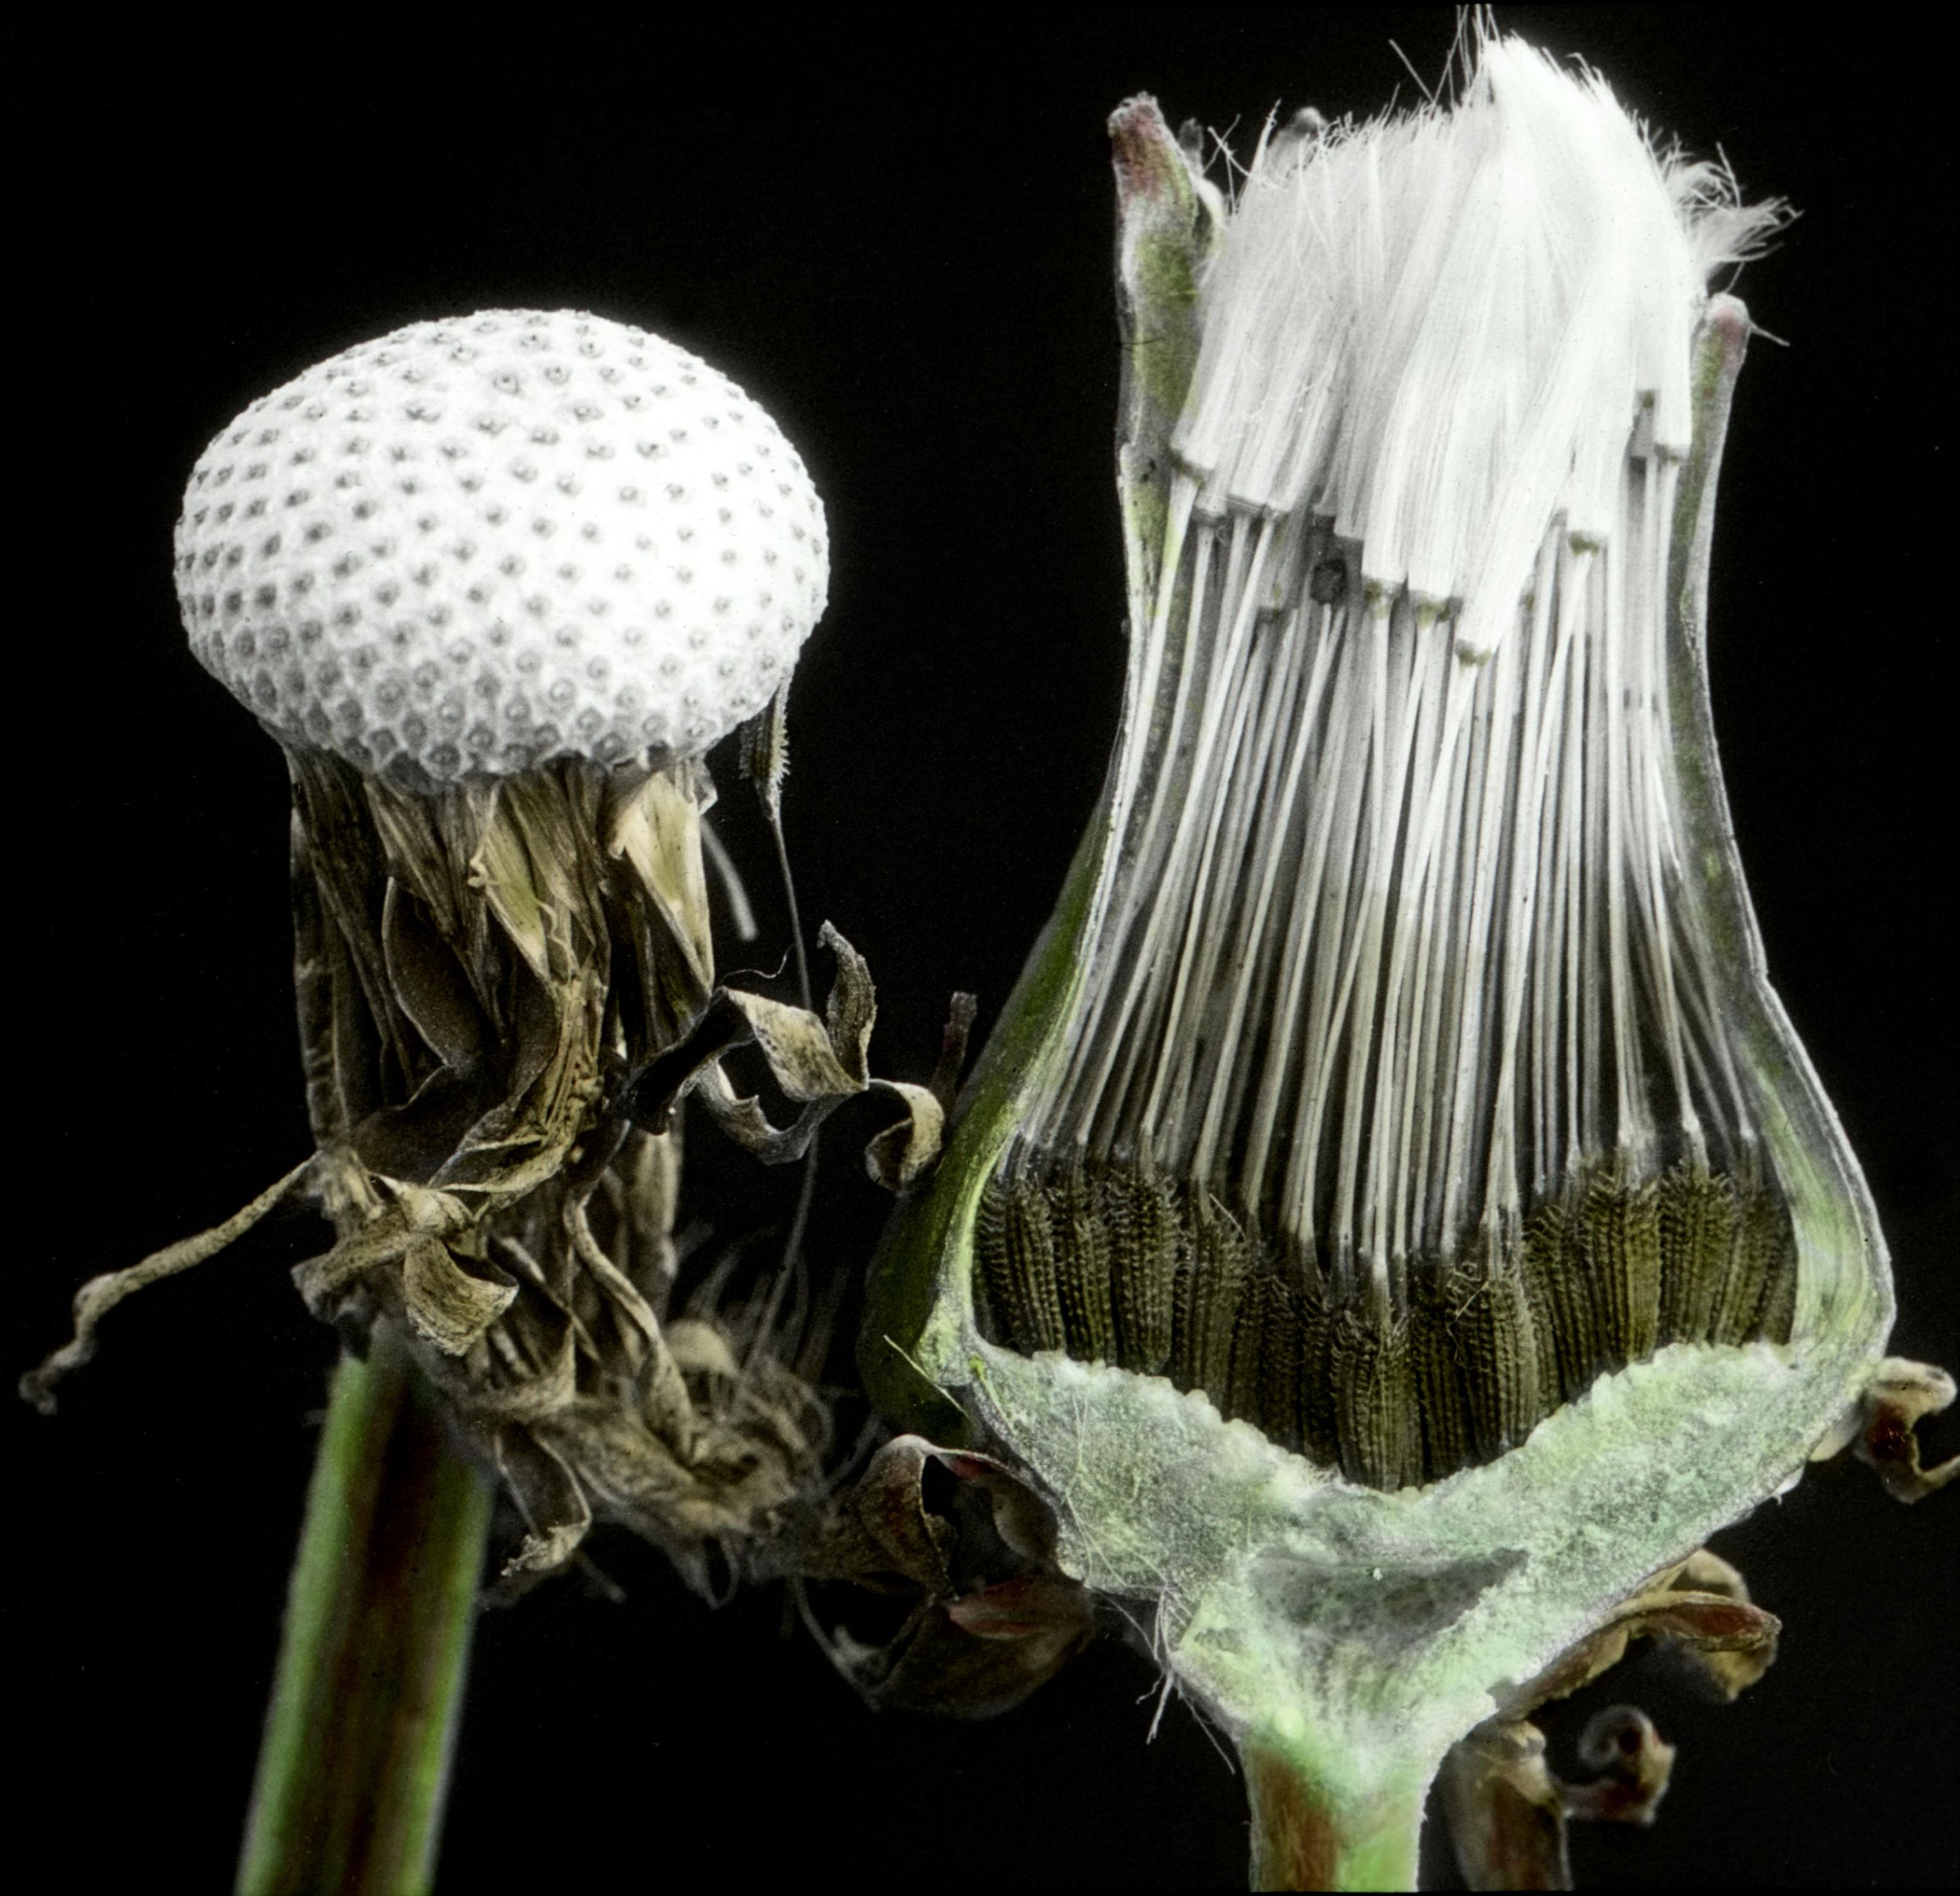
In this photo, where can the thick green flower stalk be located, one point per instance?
(1394, 1222)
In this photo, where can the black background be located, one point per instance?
(896, 234)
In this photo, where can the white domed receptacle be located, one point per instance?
(474, 545)
(496, 584)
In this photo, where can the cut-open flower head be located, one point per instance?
(1394, 1223)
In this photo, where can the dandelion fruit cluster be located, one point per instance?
(474, 546)
(495, 584)
(1394, 1223)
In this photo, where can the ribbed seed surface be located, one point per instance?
(1116, 1266)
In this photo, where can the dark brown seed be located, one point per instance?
(1497, 1351)
(997, 1296)
(1243, 1398)
(1280, 1369)
(1374, 1399)
(1185, 1370)
(1698, 1220)
(1441, 1401)
(1621, 1247)
(1082, 1268)
(1540, 1243)
(1031, 1259)
(1319, 1427)
(1640, 1253)
(1762, 1234)
(1222, 1261)
(1147, 1241)
(1594, 1232)
(1555, 1273)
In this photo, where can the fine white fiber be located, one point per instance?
(1437, 331)
(1401, 943)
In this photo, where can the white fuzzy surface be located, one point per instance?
(1440, 330)
(1374, 1630)
(472, 545)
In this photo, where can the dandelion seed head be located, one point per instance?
(513, 421)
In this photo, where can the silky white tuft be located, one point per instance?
(1439, 332)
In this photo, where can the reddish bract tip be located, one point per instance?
(1145, 155)
(1729, 316)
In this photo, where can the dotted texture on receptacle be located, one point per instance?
(473, 546)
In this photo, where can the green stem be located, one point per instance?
(1310, 1833)
(354, 1764)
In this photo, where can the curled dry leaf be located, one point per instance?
(899, 1156)
(1506, 1811)
(448, 1305)
(100, 1295)
(487, 972)
(556, 1511)
(818, 1064)
(1900, 1393)
(1633, 1762)
(968, 1549)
